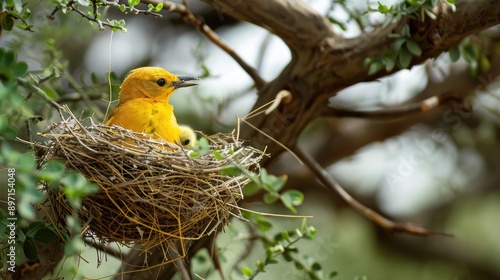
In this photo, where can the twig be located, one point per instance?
(101, 24)
(101, 247)
(329, 182)
(16, 16)
(403, 111)
(40, 92)
(204, 29)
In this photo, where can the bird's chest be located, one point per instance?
(155, 118)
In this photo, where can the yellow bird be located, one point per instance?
(143, 103)
(187, 137)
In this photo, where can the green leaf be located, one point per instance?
(8, 23)
(316, 266)
(287, 256)
(389, 61)
(30, 250)
(270, 198)
(24, 26)
(404, 58)
(382, 8)
(454, 53)
(158, 7)
(217, 155)
(292, 198)
(25, 163)
(336, 22)
(74, 246)
(133, 3)
(46, 235)
(264, 225)
(8, 59)
(398, 43)
(375, 67)
(413, 47)
(75, 187)
(20, 235)
(26, 14)
(412, 9)
(272, 261)
(251, 189)
(261, 266)
(247, 272)
(33, 228)
(430, 14)
(303, 226)
(470, 53)
(52, 171)
(405, 31)
(310, 233)
(20, 68)
(485, 63)
(230, 170)
(333, 274)
(272, 183)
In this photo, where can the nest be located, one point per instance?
(151, 192)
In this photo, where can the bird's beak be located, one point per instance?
(185, 82)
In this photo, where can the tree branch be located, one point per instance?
(324, 63)
(204, 29)
(330, 183)
(399, 112)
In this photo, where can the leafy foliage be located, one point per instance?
(282, 245)
(404, 47)
(27, 191)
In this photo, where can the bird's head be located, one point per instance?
(152, 82)
(187, 137)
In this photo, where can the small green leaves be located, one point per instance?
(273, 186)
(382, 8)
(292, 198)
(116, 25)
(404, 58)
(76, 187)
(201, 149)
(283, 245)
(247, 272)
(10, 67)
(472, 53)
(413, 47)
(401, 53)
(230, 170)
(133, 3)
(454, 54)
(156, 8)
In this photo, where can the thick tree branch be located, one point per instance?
(324, 63)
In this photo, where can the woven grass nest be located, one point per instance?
(151, 192)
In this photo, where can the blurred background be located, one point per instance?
(437, 169)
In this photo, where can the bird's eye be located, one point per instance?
(186, 142)
(161, 82)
